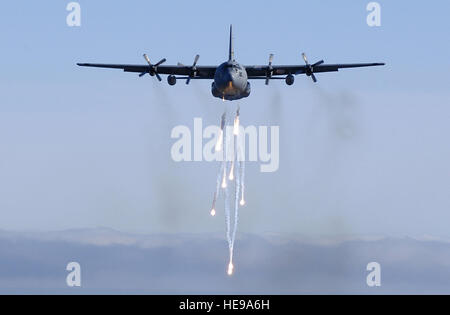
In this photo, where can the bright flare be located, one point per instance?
(230, 268)
(213, 212)
(242, 202)
(224, 182)
(236, 126)
(224, 178)
(231, 177)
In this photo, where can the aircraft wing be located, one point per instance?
(202, 72)
(253, 72)
(260, 72)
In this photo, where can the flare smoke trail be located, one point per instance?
(228, 224)
(224, 183)
(241, 159)
(236, 210)
(237, 184)
(236, 171)
(219, 143)
(227, 214)
(242, 175)
(218, 148)
(217, 192)
(231, 177)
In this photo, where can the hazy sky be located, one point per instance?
(363, 151)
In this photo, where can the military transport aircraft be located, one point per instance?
(230, 78)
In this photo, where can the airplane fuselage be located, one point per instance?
(230, 81)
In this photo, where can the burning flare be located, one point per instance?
(236, 173)
(224, 180)
(231, 176)
(230, 268)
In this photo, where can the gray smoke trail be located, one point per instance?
(343, 113)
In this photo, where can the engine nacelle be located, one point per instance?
(290, 79)
(171, 79)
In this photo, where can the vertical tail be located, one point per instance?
(231, 49)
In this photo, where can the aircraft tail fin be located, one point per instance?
(231, 48)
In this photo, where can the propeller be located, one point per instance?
(310, 68)
(269, 69)
(193, 68)
(153, 68)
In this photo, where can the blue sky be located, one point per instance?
(90, 147)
